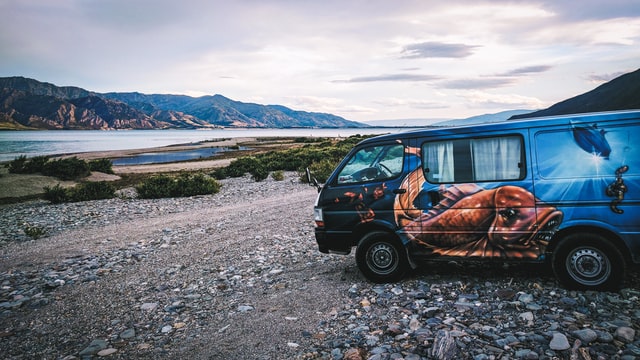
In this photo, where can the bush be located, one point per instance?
(259, 172)
(91, 191)
(36, 164)
(321, 170)
(101, 165)
(67, 169)
(34, 232)
(82, 192)
(241, 166)
(64, 169)
(56, 194)
(17, 165)
(219, 174)
(162, 186)
(198, 184)
(278, 175)
(324, 154)
(159, 186)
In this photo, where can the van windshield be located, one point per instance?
(373, 163)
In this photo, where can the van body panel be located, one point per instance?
(495, 191)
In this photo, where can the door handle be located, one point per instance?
(399, 191)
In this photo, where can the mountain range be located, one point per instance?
(30, 104)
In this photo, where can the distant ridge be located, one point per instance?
(621, 93)
(480, 119)
(30, 104)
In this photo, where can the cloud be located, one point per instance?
(527, 70)
(390, 77)
(603, 78)
(413, 103)
(432, 49)
(325, 105)
(479, 83)
(481, 99)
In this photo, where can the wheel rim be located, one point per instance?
(382, 258)
(588, 266)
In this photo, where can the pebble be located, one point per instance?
(559, 342)
(444, 312)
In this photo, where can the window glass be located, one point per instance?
(472, 160)
(373, 163)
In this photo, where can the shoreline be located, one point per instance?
(15, 188)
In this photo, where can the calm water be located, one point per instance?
(54, 142)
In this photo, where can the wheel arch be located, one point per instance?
(611, 236)
(375, 226)
(364, 228)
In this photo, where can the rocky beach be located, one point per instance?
(237, 275)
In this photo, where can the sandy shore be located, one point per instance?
(206, 164)
(14, 187)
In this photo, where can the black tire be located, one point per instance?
(382, 258)
(585, 261)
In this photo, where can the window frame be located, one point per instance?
(522, 164)
(347, 160)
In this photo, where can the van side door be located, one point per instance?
(591, 171)
(476, 198)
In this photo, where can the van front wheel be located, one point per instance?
(588, 262)
(382, 258)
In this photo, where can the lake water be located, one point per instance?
(55, 142)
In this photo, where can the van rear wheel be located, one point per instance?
(382, 258)
(586, 261)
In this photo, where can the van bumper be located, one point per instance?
(333, 243)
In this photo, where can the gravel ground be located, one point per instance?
(237, 275)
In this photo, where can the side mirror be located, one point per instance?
(312, 180)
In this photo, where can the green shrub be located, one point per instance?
(197, 184)
(91, 191)
(67, 169)
(34, 232)
(259, 172)
(219, 173)
(162, 186)
(24, 165)
(56, 194)
(159, 186)
(240, 166)
(82, 192)
(17, 165)
(101, 165)
(322, 155)
(320, 170)
(277, 175)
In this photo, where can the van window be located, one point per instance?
(373, 163)
(472, 160)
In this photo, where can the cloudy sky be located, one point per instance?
(363, 60)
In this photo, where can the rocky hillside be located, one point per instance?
(621, 93)
(31, 104)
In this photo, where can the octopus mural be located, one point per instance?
(507, 221)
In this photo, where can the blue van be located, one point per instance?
(562, 190)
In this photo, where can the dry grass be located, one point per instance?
(16, 187)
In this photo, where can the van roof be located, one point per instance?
(570, 119)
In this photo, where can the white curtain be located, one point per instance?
(439, 160)
(496, 158)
